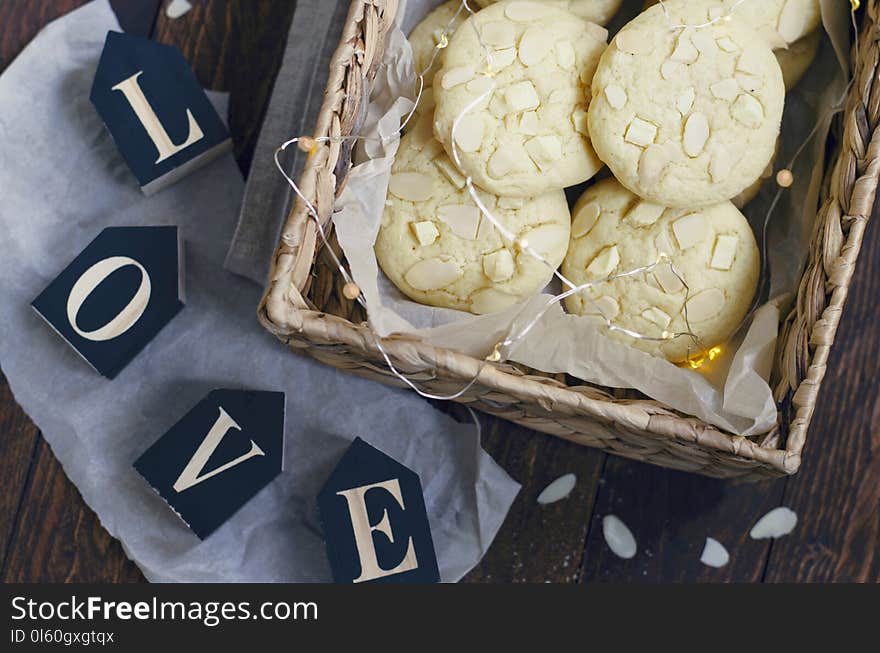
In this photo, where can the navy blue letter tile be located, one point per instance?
(116, 295)
(218, 456)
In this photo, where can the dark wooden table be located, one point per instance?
(47, 533)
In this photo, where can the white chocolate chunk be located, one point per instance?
(686, 100)
(586, 219)
(499, 34)
(547, 238)
(579, 121)
(535, 44)
(490, 300)
(656, 316)
(690, 230)
(726, 89)
(411, 186)
(501, 59)
(469, 133)
(684, 51)
(463, 219)
(529, 124)
(498, 265)
(432, 274)
(604, 263)
(425, 232)
(640, 132)
(455, 76)
(544, 150)
(727, 44)
(645, 213)
(696, 133)
(565, 56)
(445, 166)
(705, 305)
(667, 279)
(747, 110)
(724, 252)
(704, 42)
(615, 95)
(522, 96)
(605, 306)
(507, 159)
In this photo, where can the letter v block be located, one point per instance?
(156, 110)
(375, 522)
(117, 294)
(218, 456)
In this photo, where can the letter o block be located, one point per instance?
(116, 295)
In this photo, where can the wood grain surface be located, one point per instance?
(47, 533)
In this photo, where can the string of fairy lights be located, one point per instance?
(504, 348)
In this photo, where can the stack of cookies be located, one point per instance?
(525, 99)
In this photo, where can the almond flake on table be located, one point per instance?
(714, 554)
(558, 489)
(618, 537)
(177, 8)
(776, 523)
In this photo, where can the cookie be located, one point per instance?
(437, 248)
(686, 117)
(795, 60)
(713, 250)
(425, 37)
(423, 40)
(527, 134)
(595, 11)
(780, 22)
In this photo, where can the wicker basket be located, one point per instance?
(304, 305)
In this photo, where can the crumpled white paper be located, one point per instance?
(733, 392)
(61, 182)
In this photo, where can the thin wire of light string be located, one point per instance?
(509, 342)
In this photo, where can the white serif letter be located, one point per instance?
(190, 474)
(363, 531)
(135, 96)
(90, 280)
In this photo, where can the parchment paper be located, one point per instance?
(732, 392)
(61, 182)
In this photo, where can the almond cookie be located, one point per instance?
(595, 11)
(527, 134)
(686, 117)
(713, 250)
(423, 40)
(780, 22)
(437, 248)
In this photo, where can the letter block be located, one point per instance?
(375, 522)
(156, 110)
(116, 295)
(218, 456)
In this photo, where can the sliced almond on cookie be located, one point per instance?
(432, 274)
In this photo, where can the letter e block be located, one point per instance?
(218, 456)
(156, 110)
(116, 295)
(375, 523)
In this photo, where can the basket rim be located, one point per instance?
(286, 313)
